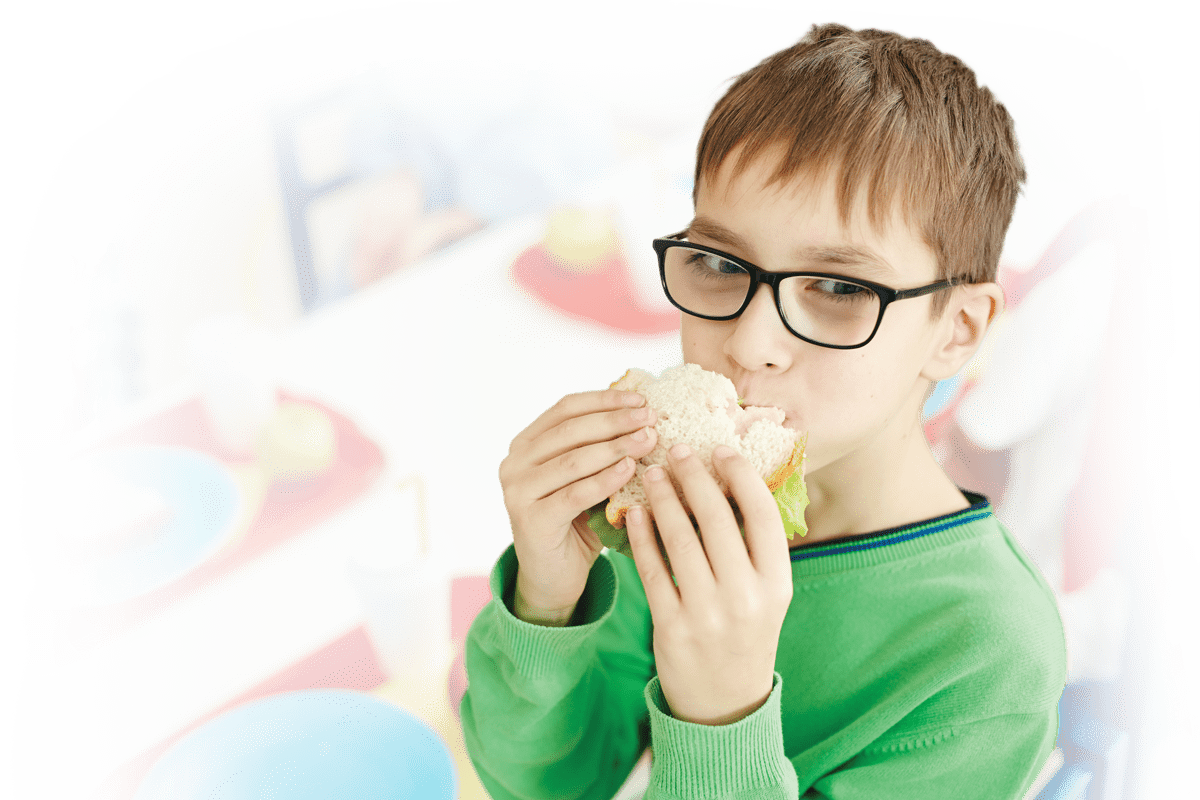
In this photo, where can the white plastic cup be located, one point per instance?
(407, 617)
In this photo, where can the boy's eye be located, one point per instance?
(840, 290)
(709, 263)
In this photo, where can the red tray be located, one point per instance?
(283, 515)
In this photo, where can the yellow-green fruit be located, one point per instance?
(576, 238)
(298, 443)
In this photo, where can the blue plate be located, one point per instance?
(308, 745)
(205, 501)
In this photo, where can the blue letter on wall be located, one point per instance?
(298, 193)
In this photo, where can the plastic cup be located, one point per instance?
(407, 617)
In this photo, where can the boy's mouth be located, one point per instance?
(789, 420)
(747, 402)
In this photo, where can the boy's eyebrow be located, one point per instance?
(864, 259)
(710, 229)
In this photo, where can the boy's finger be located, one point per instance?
(589, 459)
(722, 541)
(580, 405)
(693, 572)
(766, 540)
(562, 441)
(661, 593)
(567, 501)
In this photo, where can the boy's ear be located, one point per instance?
(967, 316)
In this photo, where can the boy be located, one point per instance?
(905, 647)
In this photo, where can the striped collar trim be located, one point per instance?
(980, 509)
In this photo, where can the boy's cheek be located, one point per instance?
(695, 349)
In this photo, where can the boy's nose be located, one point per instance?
(760, 338)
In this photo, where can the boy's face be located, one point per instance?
(857, 405)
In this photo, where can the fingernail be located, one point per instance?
(722, 452)
(655, 473)
(633, 400)
(636, 515)
(681, 451)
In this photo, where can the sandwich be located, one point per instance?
(701, 409)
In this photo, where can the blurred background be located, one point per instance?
(282, 279)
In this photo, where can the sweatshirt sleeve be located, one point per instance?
(743, 760)
(559, 712)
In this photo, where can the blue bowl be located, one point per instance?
(307, 745)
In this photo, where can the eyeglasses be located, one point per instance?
(820, 308)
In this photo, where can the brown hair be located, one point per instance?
(896, 111)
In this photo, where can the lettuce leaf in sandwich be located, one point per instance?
(791, 498)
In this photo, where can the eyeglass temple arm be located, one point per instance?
(930, 289)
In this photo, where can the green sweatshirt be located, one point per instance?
(923, 661)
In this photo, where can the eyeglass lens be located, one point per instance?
(825, 310)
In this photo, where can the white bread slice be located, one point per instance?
(700, 408)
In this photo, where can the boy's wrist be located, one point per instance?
(550, 618)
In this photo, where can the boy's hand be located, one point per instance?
(716, 634)
(573, 456)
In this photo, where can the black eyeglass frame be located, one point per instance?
(886, 294)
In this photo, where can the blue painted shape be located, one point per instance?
(204, 503)
(1107, 747)
(541, 149)
(298, 193)
(385, 134)
(1092, 747)
(943, 393)
(1071, 782)
(307, 745)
